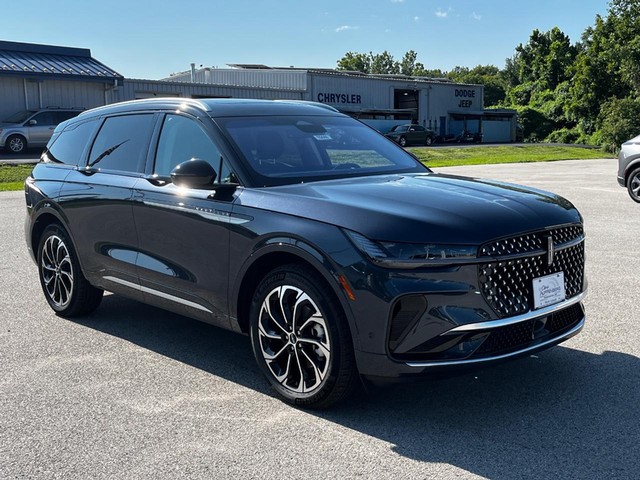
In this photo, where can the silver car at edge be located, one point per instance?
(629, 167)
(32, 128)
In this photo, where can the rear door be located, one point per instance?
(97, 200)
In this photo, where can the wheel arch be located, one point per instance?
(631, 166)
(272, 256)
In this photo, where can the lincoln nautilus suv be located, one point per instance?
(340, 255)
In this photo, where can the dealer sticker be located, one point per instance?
(548, 290)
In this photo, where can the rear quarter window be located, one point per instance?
(68, 146)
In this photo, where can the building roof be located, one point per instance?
(33, 60)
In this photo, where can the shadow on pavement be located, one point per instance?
(561, 414)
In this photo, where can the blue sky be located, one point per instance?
(143, 39)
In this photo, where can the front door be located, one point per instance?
(185, 225)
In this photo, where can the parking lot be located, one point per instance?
(135, 392)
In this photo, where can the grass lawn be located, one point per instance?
(12, 176)
(455, 156)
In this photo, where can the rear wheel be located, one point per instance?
(301, 339)
(16, 144)
(428, 141)
(66, 289)
(633, 185)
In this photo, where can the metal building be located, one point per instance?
(381, 100)
(38, 76)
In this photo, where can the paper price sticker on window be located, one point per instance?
(548, 290)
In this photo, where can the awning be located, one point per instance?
(41, 61)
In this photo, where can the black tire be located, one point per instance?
(402, 141)
(15, 144)
(633, 185)
(428, 141)
(321, 350)
(66, 289)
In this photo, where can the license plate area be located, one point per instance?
(548, 290)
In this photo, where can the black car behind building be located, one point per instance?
(340, 258)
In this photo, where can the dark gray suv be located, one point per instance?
(335, 250)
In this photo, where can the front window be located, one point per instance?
(290, 149)
(19, 117)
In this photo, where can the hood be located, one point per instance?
(420, 208)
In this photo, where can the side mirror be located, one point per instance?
(33, 123)
(194, 173)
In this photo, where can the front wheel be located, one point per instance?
(402, 141)
(301, 339)
(633, 185)
(66, 289)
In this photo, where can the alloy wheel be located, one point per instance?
(293, 339)
(634, 186)
(57, 271)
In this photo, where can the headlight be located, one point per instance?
(412, 255)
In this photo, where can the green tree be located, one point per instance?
(355, 62)
(618, 121)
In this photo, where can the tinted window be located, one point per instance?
(304, 148)
(122, 143)
(182, 139)
(60, 117)
(69, 145)
(45, 118)
(418, 128)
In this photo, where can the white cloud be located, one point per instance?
(416, 19)
(346, 27)
(476, 16)
(397, 1)
(442, 13)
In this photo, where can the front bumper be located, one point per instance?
(411, 322)
(383, 368)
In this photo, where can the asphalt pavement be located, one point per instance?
(135, 392)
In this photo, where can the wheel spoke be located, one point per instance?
(316, 371)
(320, 345)
(273, 356)
(285, 375)
(301, 383)
(266, 307)
(264, 333)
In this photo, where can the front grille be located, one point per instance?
(507, 285)
(530, 242)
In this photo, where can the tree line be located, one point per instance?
(582, 92)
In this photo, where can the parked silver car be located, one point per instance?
(629, 167)
(32, 128)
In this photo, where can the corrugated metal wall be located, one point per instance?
(60, 93)
(47, 93)
(133, 89)
(272, 78)
(12, 95)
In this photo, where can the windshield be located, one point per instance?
(291, 149)
(19, 117)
